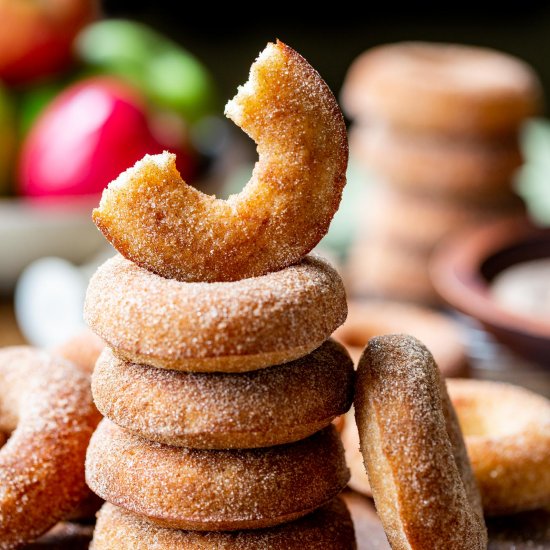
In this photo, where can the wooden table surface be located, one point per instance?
(9, 332)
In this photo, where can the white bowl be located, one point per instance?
(33, 229)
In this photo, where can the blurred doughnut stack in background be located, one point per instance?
(438, 127)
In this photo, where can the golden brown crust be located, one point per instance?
(442, 335)
(417, 465)
(442, 88)
(231, 327)
(208, 490)
(460, 169)
(507, 431)
(272, 406)
(46, 405)
(82, 349)
(329, 528)
(154, 219)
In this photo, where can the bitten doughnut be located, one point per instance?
(437, 165)
(507, 431)
(83, 349)
(47, 408)
(442, 88)
(329, 528)
(206, 490)
(262, 408)
(231, 327)
(154, 219)
(442, 335)
(415, 457)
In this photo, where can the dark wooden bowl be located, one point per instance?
(464, 266)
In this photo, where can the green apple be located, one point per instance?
(166, 73)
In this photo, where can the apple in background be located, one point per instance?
(90, 133)
(168, 75)
(36, 36)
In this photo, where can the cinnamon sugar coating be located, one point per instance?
(329, 528)
(46, 405)
(207, 490)
(272, 406)
(419, 473)
(170, 228)
(442, 88)
(507, 431)
(228, 327)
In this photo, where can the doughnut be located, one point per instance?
(64, 536)
(165, 226)
(379, 268)
(423, 221)
(272, 406)
(329, 528)
(507, 431)
(207, 490)
(442, 88)
(441, 334)
(233, 326)
(48, 411)
(83, 349)
(415, 457)
(437, 165)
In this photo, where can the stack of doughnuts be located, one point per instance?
(219, 382)
(437, 126)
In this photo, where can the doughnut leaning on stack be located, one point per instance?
(220, 381)
(438, 125)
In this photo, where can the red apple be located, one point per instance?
(36, 36)
(88, 135)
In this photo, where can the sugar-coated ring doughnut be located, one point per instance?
(207, 490)
(329, 528)
(48, 410)
(442, 335)
(231, 327)
(83, 349)
(389, 269)
(442, 88)
(272, 406)
(507, 431)
(154, 219)
(423, 221)
(436, 165)
(416, 461)
(65, 535)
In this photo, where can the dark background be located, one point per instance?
(227, 44)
